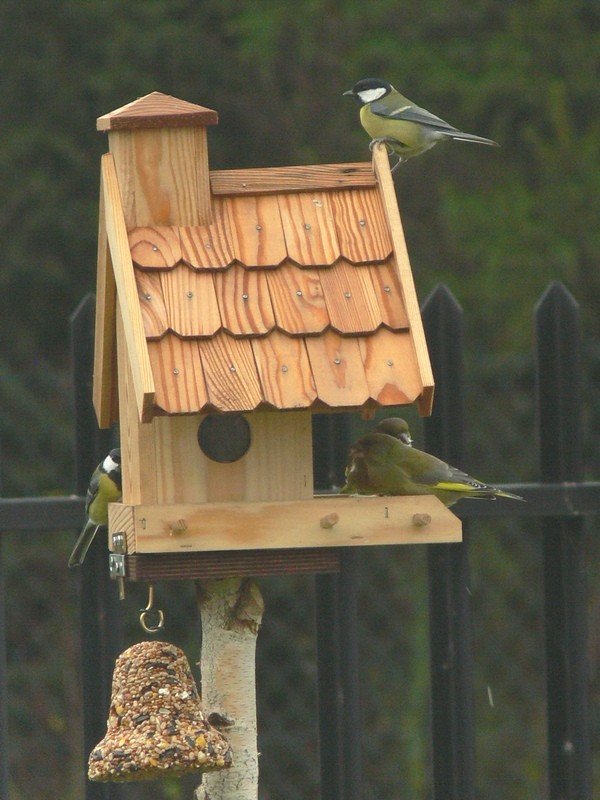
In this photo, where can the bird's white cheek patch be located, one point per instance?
(371, 94)
(109, 465)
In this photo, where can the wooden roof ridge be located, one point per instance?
(291, 179)
(157, 110)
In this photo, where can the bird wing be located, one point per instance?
(408, 112)
(92, 490)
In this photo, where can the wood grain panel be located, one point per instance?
(138, 466)
(133, 326)
(362, 521)
(274, 180)
(187, 566)
(156, 247)
(297, 298)
(191, 302)
(177, 370)
(309, 228)
(361, 227)
(337, 369)
(180, 464)
(105, 394)
(402, 264)
(279, 463)
(156, 110)
(163, 175)
(257, 233)
(244, 301)
(284, 370)
(230, 373)
(209, 246)
(388, 292)
(350, 298)
(391, 369)
(152, 303)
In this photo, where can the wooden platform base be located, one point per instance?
(226, 564)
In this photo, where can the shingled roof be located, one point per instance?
(298, 294)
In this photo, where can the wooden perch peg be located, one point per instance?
(329, 520)
(178, 527)
(421, 520)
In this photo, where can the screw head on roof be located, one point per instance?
(362, 222)
(337, 360)
(299, 292)
(189, 294)
(244, 296)
(307, 226)
(347, 295)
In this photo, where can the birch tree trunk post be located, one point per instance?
(231, 612)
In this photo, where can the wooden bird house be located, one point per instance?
(231, 306)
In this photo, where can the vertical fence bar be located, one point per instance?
(100, 627)
(349, 672)
(450, 624)
(559, 382)
(328, 689)
(3, 682)
(337, 646)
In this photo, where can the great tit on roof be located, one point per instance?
(104, 488)
(406, 129)
(384, 464)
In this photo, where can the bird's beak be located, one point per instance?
(350, 92)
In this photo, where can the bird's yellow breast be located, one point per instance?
(406, 138)
(108, 492)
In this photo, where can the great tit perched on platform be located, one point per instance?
(382, 463)
(406, 129)
(104, 488)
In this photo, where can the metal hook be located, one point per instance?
(149, 611)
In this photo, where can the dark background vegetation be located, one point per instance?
(495, 225)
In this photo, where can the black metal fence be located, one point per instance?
(560, 500)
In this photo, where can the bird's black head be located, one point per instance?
(112, 465)
(369, 89)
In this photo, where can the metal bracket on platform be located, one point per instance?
(116, 562)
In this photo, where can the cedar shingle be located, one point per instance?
(288, 299)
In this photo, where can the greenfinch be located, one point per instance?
(382, 463)
(396, 427)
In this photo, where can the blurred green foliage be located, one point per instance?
(496, 226)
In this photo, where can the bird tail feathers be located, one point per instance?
(469, 137)
(500, 493)
(476, 492)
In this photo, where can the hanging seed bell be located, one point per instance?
(156, 726)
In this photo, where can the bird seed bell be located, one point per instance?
(156, 727)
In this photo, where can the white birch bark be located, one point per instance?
(231, 612)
